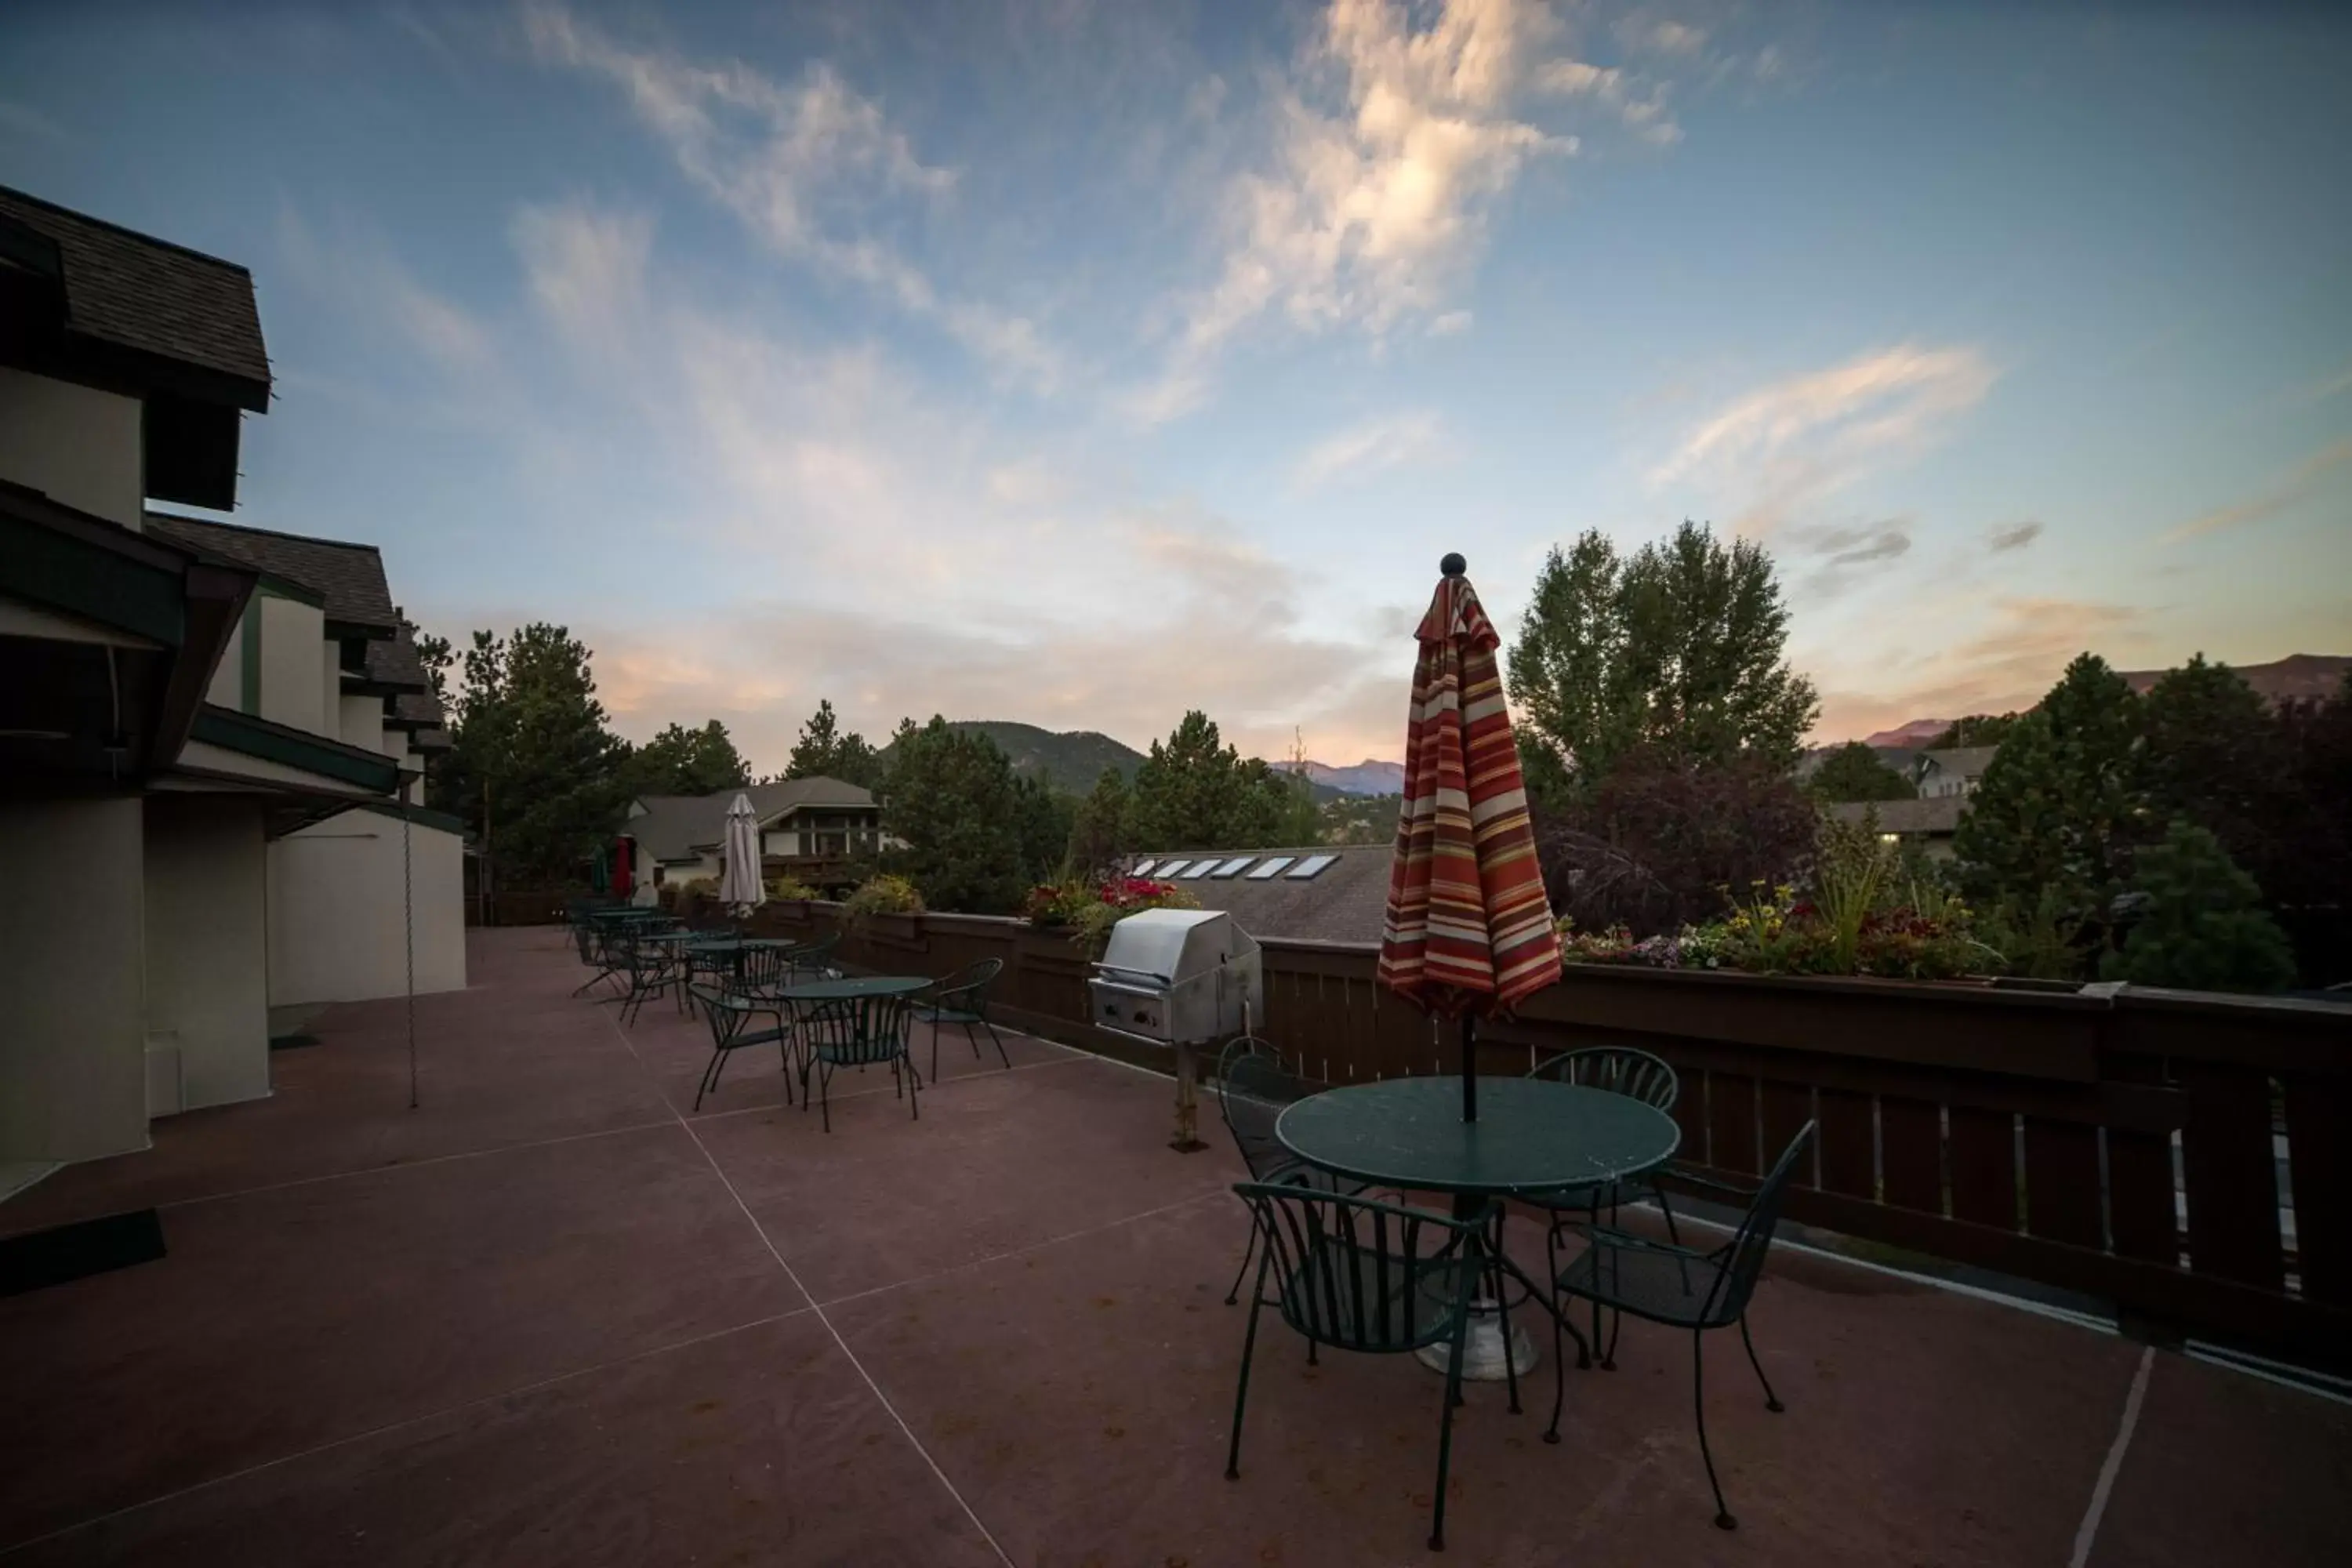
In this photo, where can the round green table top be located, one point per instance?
(851, 987)
(1532, 1135)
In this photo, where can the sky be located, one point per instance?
(1082, 363)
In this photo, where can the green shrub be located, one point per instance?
(785, 890)
(2201, 926)
(885, 895)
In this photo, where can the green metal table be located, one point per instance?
(852, 987)
(1532, 1135)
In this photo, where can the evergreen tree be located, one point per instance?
(1193, 792)
(1041, 816)
(2065, 800)
(1676, 651)
(1975, 730)
(1098, 826)
(681, 761)
(952, 796)
(532, 766)
(2216, 757)
(2202, 927)
(825, 750)
(1853, 771)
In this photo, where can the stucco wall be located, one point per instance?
(291, 636)
(207, 951)
(362, 724)
(80, 445)
(73, 1069)
(335, 910)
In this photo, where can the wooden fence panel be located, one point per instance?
(1849, 1159)
(2232, 1182)
(1984, 1167)
(2061, 1182)
(2319, 1143)
(1911, 1152)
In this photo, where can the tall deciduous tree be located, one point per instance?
(1677, 650)
(825, 750)
(2065, 800)
(681, 761)
(1854, 771)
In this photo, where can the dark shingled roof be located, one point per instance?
(349, 578)
(393, 661)
(415, 708)
(1346, 902)
(429, 741)
(1935, 815)
(146, 294)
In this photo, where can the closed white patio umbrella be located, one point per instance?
(741, 885)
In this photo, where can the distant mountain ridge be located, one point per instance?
(2297, 678)
(1366, 777)
(1068, 760)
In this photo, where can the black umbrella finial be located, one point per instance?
(1453, 565)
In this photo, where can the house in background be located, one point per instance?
(1927, 823)
(175, 707)
(816, 829)
(1956, 771)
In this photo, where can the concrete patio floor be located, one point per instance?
(551, 1317)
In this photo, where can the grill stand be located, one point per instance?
(1187, 1140)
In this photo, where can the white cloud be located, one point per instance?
(1450, 323)
(800, 163)
(885, 550)
(1786, 445)
(2290, 490)
(1358, 453)
(1371, 209)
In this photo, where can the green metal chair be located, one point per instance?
(1618, 1069)
(962, 998)
(857, 1032)
(1359, 1275)
(1686, 1288)
(729, 1015)
(1253, 1088)
(649, 969)
(807, 961)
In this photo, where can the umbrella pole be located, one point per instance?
(1469, 1067)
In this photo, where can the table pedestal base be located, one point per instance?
(1481, 1349)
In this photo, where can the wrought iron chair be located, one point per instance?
(649, 968)
(1686, 1288)
(857, 1032)
(1253, 1088)
(729, 1015)
(1360, 1275)
(1618, 1069)
(962, 998)
(807, 961)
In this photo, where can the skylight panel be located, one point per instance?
(1169, 869)
(1199, 868)
(1232, 867)
(1143, 868)
(1311, 867)
(1272, 867)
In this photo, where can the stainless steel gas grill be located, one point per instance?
(1179, 978)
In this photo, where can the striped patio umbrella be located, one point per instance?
(1469, 930)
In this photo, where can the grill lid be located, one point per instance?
(1170, 945)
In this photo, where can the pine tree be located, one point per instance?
(532, 766)
(2202, 927)
(825, 751)
(1098, 827)
(2218, 759)
(681, 761)
(952, 796)
(2064, 801)
(1193, 792)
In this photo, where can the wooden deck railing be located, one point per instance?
(2185, 1157)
